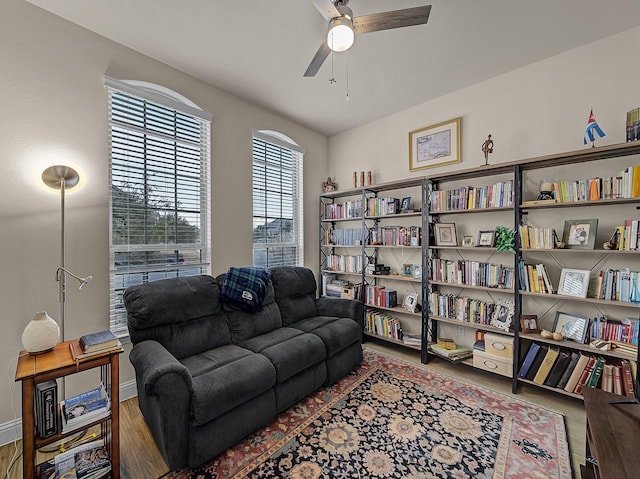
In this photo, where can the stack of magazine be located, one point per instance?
(85, 408)
(86, 461)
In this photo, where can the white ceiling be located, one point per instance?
(259, 49)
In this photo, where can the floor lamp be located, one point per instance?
(62, 177)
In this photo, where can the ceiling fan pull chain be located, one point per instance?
(347, 99)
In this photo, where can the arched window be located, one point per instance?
(278, 238)
(159, 159)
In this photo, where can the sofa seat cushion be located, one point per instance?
(223, 388)
(202, 363)
(289, 350)
(336, 333)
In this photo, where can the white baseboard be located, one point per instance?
(12, 430)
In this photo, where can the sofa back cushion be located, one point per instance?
(182, 314)
(244, 325)
(295, 292)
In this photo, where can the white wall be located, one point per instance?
(536, 110)
(54, 109)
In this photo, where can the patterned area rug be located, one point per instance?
(393, 419)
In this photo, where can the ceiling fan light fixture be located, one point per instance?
(341, 35)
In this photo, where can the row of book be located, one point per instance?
(462, 308)
(537, 237)
(618, 330)
(397, 236)
(615, 285)
(338, 211)
(626, 184)
(626, 235)
(376, 295)
(383, 206)
(382, 324)
(344, 263)
(345, 236)
(472, 273)
(89, 460)
(534, 278)
(497, 195)
(572, 371)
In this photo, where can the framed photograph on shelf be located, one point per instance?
(571, 326)
(405, 205)
(502, 315)
(435, 145)
(468, 241)
(417, 271)
(574, 282)
(580, 234)
(446, 234)
(410, 302)
(486, 239)
(407, 270)
(529, 323)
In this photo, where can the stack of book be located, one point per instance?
(94, 344)
(86, 461)
(460, 353)
(85, 408)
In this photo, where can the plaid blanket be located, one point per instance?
(245, 287)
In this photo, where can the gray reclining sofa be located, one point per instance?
(208, 374)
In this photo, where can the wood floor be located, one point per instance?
(140, 458)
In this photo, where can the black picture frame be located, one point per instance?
(406, 203)
(486, 239)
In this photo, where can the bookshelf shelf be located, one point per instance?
(469, 286)
(576, 346)
(561, 297)
(466, 324)
(391, 340)
(471, 210)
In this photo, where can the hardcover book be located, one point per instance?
(577, 373)
(99, 340)
(568, 370)
(533, 370)
(528, 360)
(558, 368)
(546, 365)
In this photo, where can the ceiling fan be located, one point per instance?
(343, 26)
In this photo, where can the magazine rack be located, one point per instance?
(55, 364)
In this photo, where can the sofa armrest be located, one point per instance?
(152, 362)
(341, 308)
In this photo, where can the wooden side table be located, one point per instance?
(55, 364)
(613, 436)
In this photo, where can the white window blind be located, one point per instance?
(159, 179)
(277, 201)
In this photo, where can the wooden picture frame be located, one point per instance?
(571, 326)
(503, 314)
(435, 145)
(468, 241)
(580, 234)
(574, 282)
(529, 323)
(405, 205)
(486, 239)
(445, 234)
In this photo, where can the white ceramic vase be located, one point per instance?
(41, 334)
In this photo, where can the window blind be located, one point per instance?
(277, 202)
(159, 199)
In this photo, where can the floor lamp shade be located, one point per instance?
(41, 334)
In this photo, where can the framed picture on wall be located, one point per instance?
(435, 145)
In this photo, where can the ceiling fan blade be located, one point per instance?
(326, 8)
(394, 19)
(318, 59)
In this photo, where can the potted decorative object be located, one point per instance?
(505, 239)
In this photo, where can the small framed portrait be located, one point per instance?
(405, 205)
(392, 207)
(407, 270)
(529, 323)
(445, 234)
(468, 241)
(502, 314)
(417, 271)
(580, 234)
(571, 326)
(486, 239)
(574, 282)
(410, 302)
